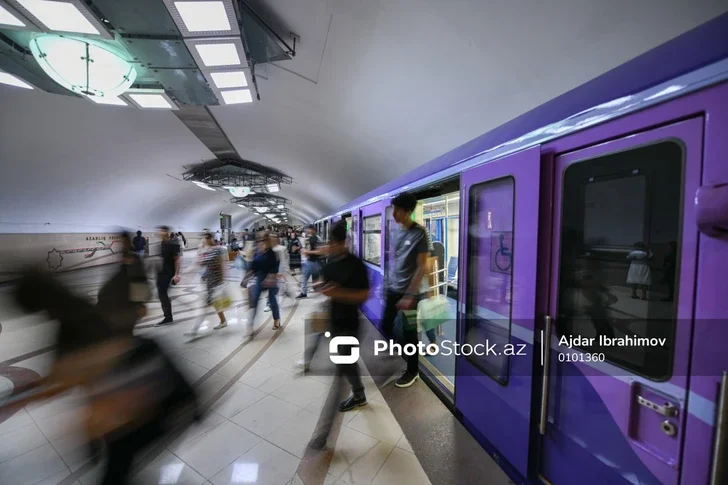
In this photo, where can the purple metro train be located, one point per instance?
(597, 222)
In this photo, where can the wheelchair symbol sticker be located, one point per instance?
(501, 252)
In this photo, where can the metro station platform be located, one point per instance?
(261, 414)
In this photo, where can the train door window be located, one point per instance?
(391, 231)
(490, 273)
(355, 233)
(619, 255)
(372, 239)
(325, 234)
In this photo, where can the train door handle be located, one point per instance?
(545, 384)
(668, 409)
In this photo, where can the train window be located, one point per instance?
(372, 239)
(490, 270)
(621, 219)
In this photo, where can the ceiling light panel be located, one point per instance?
(229, 79)
(71, 16)
(10, 18)
(112, 101)
(150, 99)
(220, 53)
(204, 18)
(237, 96)
(215, 55)
(12, 80)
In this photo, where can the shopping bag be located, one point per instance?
(432, 312)
(220, 299)
(317, 322)
(405, 321)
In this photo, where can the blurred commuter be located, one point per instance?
(211, 259)
(182, 241)
(140, 244)
(405, 281)
(294, 252)
(265, 269)
(218, 237)
(310, 257)
(346, 284)
(122, 299)
(168, 273)
(131, 385)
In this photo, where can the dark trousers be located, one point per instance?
(121, 452)
(163, 282)
(409, 331)
(349, 371)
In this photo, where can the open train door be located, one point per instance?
(497, 293)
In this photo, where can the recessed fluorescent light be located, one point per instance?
(11, 80)
(237, 96)
(273, 187)
(230, 79)
(7, 18)
(110, 101)
(261, 209)
(203, 16)
(150, 100)
(213, 55)
(61, 16)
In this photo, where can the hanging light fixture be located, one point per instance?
(84, 66)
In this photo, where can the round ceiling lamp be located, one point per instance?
(84, 66)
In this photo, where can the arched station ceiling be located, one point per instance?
(377, 88)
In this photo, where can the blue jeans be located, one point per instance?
(310, 269)
(272, 300)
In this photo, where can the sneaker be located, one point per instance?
(406, 380)
(220, 325)
(302, 364)
(166, 321)
(352, 402)
(191, 334)
(267, 309)
(302, 295)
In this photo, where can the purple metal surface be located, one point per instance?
(709, 357)
(373, 307)
(576, 430)
(501, 413)
(699, 47)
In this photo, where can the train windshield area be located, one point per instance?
(619, 261)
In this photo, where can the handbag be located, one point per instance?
(318, 322)
(220, 299)
(432, 312)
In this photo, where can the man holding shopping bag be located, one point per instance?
(404, 289)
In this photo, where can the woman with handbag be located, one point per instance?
(265, 268)
(211, 259)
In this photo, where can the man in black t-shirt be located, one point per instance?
(168, 273)
(310, 259)
(347, 286)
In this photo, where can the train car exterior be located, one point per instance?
(597, 242)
